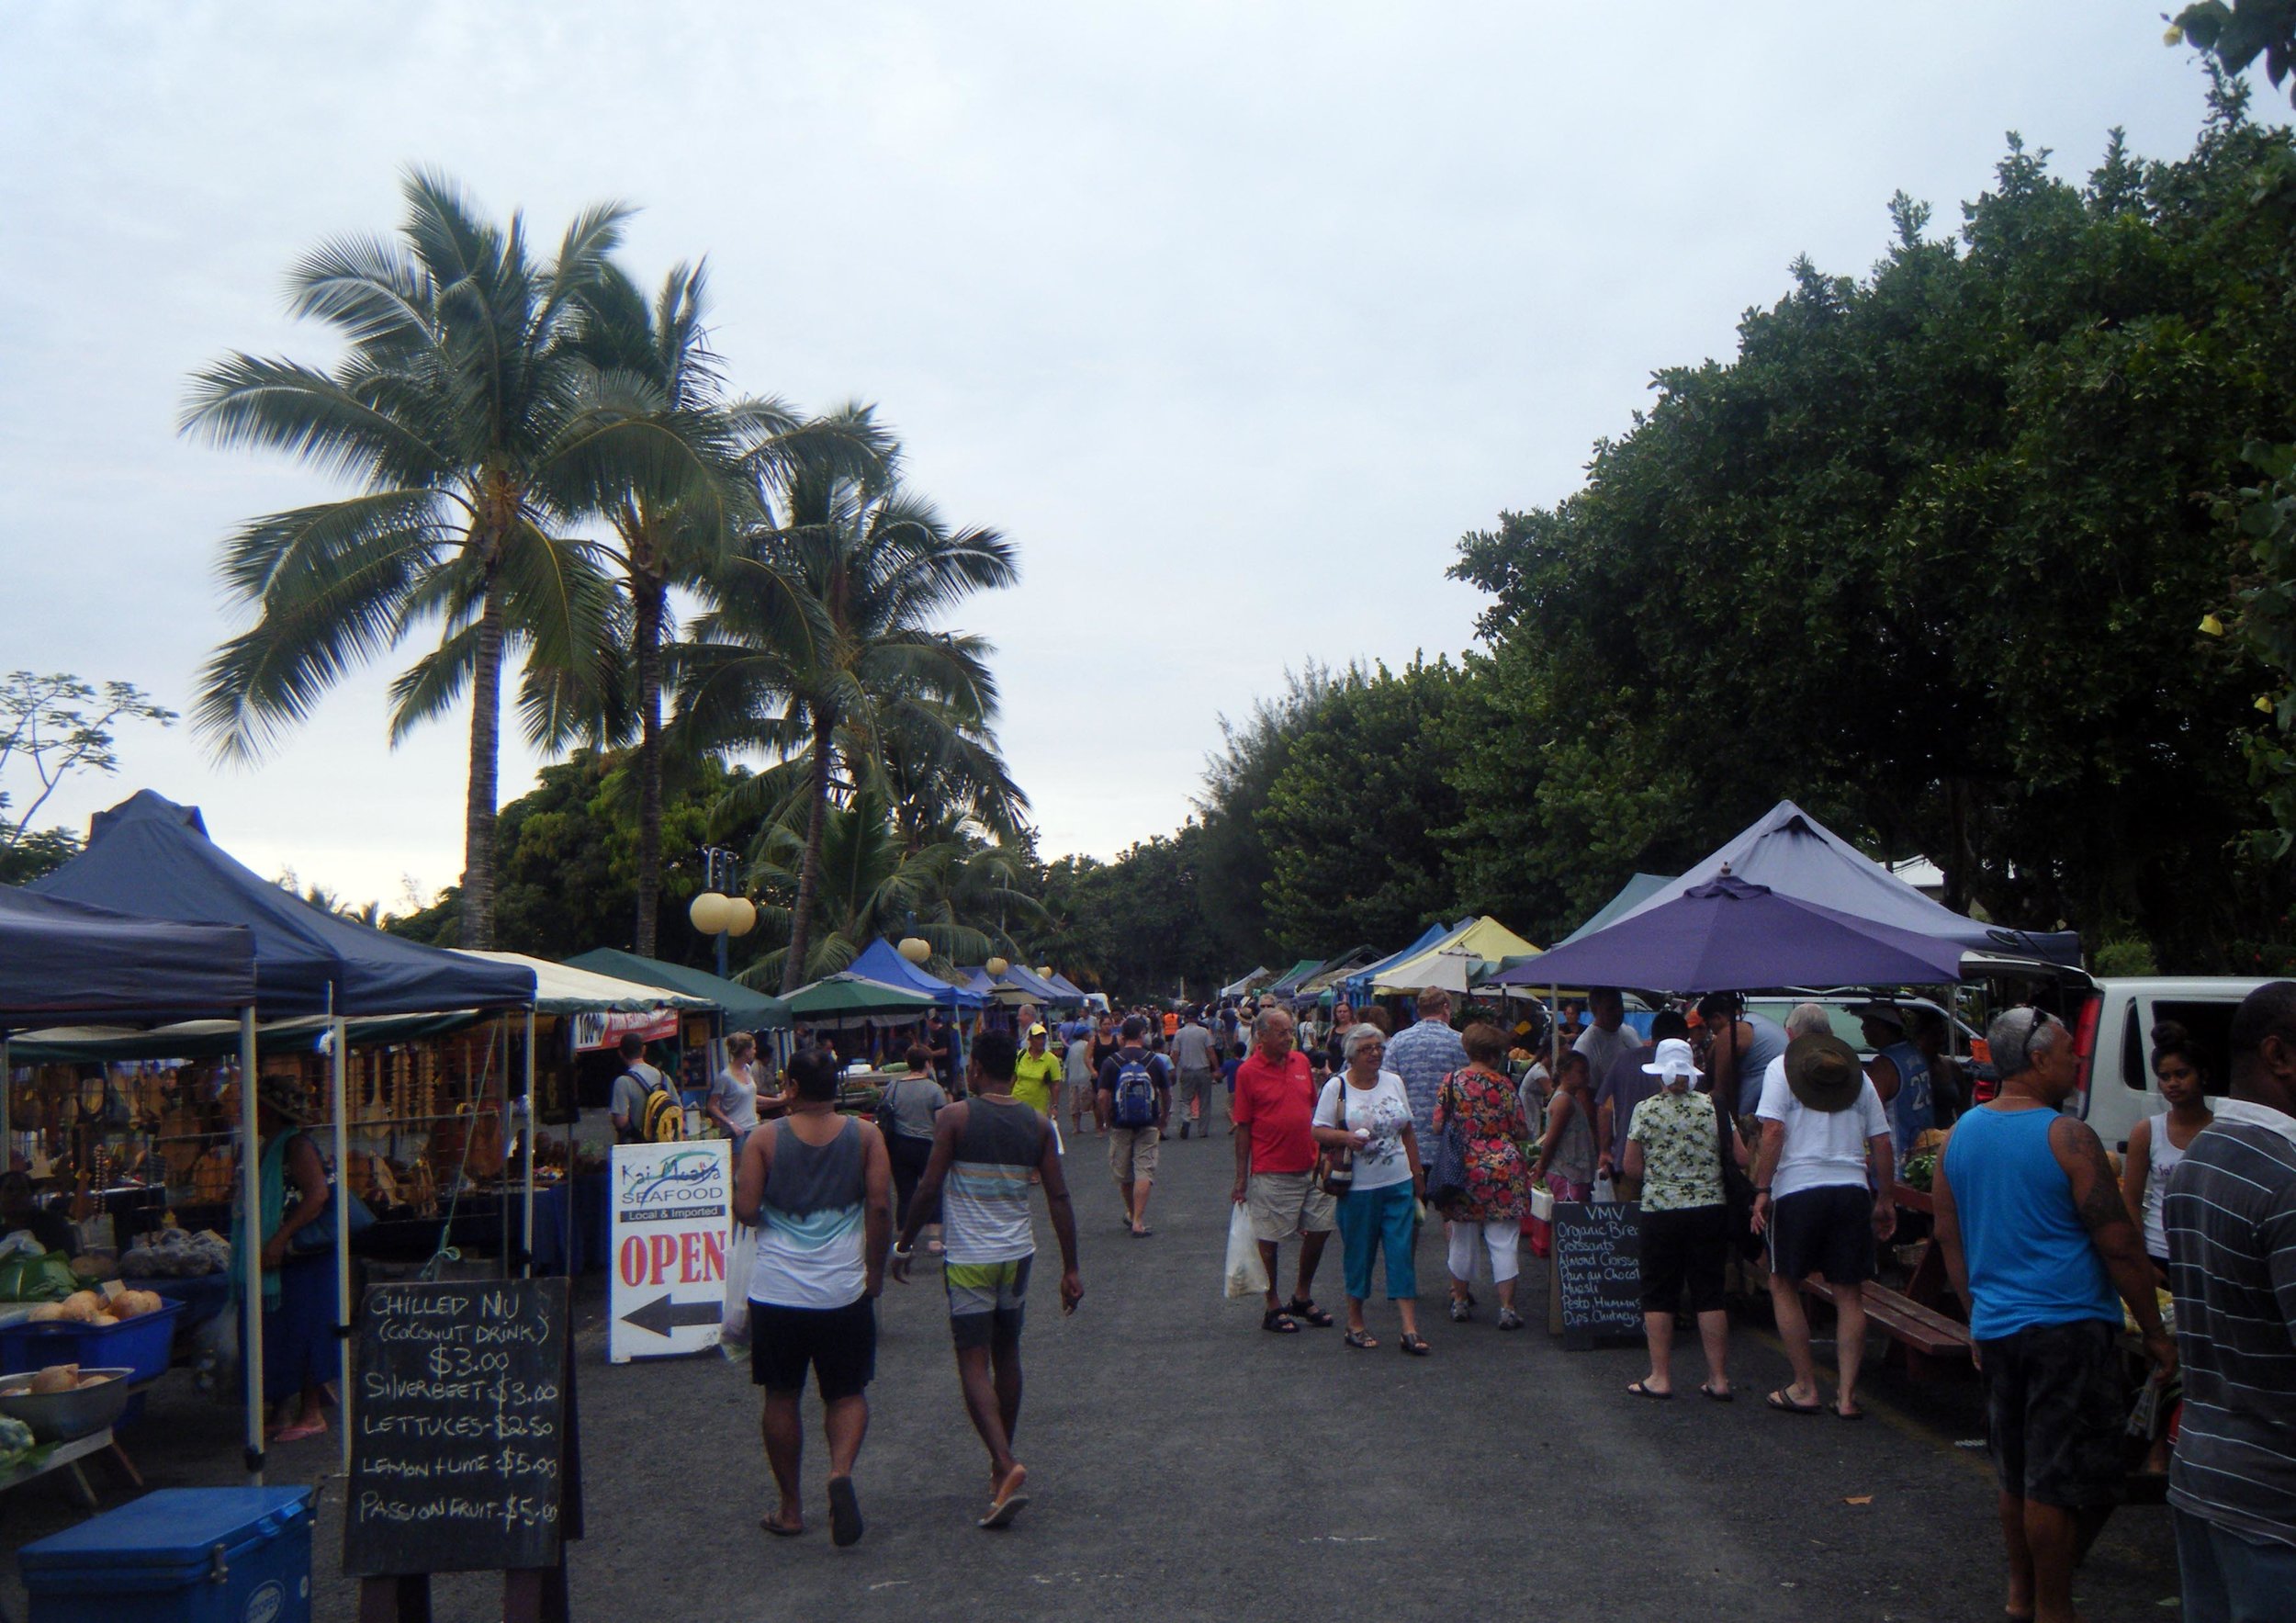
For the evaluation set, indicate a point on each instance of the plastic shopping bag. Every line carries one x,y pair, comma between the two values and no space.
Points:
1247,1275
1605,1193
733,1329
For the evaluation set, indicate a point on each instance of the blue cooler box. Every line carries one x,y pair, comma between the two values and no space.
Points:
181,1555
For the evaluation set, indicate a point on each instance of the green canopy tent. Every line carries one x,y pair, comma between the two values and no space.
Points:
745,1007
845,999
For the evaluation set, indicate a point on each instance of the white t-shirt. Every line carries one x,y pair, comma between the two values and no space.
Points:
1822,1148
735,1091
1383,1108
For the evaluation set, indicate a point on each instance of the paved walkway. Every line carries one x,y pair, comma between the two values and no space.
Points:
1186,1465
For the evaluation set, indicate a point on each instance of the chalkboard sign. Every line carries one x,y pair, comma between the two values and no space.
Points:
1598,1271
463,1454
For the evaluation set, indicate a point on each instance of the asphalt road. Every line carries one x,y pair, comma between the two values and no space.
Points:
1187,1465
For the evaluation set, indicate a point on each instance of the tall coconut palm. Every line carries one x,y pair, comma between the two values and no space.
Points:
877,569
476,431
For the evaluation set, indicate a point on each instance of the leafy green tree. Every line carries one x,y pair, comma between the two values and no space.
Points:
1352,821
1926,556
2234,33
2264,629
50,727
1233,861
1135,926
815,680
476,431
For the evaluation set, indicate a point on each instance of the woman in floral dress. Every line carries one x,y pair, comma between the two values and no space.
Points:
1498,1174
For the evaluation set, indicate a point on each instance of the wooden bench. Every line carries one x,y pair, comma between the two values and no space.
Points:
1930,1339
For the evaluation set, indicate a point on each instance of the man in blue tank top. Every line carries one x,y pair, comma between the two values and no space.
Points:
1900,1074
2039,1244
984,1147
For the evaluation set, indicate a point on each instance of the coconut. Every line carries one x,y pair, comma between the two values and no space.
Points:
101,1319
83,1306
47,1313
88,1380
57,1378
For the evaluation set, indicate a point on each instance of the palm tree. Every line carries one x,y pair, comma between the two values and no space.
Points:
818,679
476,431
955,894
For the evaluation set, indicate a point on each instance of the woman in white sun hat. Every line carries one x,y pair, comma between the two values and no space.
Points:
1674,1148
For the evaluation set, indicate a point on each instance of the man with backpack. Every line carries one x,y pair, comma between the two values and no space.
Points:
1136,1102
644,1107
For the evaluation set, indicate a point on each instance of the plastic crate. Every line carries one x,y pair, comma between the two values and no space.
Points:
181,1555
139,1343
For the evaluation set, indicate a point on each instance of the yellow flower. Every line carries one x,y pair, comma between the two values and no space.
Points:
2211,626
2174,36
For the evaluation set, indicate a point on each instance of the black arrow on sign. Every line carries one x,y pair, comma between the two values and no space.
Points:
662,1315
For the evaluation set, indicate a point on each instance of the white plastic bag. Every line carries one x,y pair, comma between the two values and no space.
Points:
733,1327
1605,1193
1542,1202
1247,1275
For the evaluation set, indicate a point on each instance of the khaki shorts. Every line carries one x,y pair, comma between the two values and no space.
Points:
1281,1204
1133,1154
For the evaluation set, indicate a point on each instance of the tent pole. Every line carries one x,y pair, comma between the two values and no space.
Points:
1554,1035
526,1131
7,1141
250,1230
338,1069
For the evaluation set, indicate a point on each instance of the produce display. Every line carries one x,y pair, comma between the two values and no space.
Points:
18,1448
172,1253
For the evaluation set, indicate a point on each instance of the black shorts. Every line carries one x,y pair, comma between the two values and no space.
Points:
839,1343
1685,1248
2056,1408
1827,1231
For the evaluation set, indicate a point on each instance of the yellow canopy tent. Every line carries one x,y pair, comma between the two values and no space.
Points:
1450,962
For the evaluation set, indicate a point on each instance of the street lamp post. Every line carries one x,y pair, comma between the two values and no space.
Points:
721,909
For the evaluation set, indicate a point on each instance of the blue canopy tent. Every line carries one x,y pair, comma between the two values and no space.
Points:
68,961
1069,990
1358,985
150,857
882,961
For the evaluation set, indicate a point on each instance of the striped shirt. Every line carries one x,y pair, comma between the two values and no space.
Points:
984,1201
2231,1219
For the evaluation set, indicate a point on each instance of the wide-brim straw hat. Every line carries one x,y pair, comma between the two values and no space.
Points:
1823,1072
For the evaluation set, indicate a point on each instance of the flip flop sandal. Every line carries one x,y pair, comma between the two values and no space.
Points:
1644,1390
777,1529
1850,1414
1719,1397
1142,1234
1279,1323
1362,1340
845,1517
1415,1345
1307,1312
1786,1406
1002,1511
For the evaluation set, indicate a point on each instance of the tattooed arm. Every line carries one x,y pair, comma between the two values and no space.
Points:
2097,1197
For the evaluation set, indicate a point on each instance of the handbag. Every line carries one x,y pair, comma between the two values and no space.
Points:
1339,1165
1447,1172
1738,1189
320,1236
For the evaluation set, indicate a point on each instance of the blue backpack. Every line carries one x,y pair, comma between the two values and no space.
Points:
1135,1100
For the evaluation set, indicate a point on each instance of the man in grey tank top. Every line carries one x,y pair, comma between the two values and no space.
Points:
984,1147
818,1186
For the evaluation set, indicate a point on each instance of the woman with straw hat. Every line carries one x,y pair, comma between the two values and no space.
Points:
1674,1147
298,1282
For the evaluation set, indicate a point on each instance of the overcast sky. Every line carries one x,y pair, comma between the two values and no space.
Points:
1234,317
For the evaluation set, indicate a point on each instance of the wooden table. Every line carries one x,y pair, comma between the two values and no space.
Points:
64,1456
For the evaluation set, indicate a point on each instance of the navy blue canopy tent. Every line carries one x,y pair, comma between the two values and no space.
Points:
882,961
65,961
152,858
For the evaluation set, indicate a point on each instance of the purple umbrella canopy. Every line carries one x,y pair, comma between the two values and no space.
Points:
1729,935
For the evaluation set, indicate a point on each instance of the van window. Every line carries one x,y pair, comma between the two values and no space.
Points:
2211,1027
2136,1058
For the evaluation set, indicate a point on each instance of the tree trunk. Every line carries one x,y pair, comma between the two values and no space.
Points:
809,871
649,595
486,743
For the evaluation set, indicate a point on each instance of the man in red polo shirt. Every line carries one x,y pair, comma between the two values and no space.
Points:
1274,1165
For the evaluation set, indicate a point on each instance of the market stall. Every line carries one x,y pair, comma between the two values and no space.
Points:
152,857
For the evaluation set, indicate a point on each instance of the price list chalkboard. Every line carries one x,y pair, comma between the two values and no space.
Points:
1598,1271
463,1454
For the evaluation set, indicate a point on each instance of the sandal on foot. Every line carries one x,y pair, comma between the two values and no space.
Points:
1307,1312
1643,1389
1460,1312
1279,1322
1011,1500
1719,1397
780,1530
1415,1345
1362,1339
1850,1414
1785,1404
845,1517
1509,1319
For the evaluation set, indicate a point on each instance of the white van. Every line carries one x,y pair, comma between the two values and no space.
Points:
2112,1022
